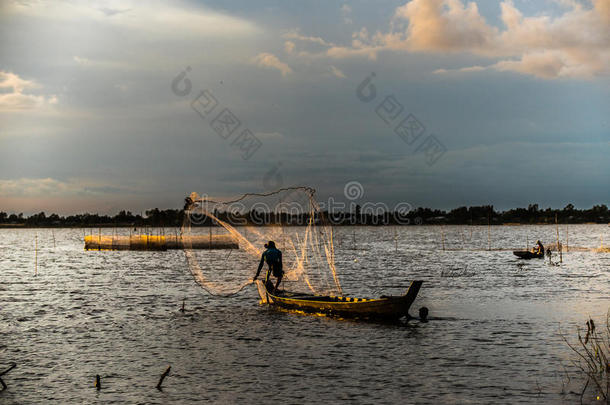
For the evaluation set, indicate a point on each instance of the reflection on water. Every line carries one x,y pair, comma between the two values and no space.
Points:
493,335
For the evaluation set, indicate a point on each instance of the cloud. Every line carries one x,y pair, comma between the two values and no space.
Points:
546,65
441,26
362,46
269,60
574,44
102,64
343,52
32,194
18,101
603,9
121,87
338,73
82,61
15,83
154,19
12,97
112,11
296,35
42,187
464,69
346,13
289,46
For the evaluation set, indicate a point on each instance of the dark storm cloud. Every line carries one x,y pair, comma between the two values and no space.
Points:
107,122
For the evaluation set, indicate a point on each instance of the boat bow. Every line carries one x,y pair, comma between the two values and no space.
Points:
383,307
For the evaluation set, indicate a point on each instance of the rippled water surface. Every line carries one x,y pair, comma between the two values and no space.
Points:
493,337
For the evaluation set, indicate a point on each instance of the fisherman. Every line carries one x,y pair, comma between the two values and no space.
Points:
273,257
539,248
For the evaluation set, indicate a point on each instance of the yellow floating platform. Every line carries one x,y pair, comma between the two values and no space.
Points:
149,242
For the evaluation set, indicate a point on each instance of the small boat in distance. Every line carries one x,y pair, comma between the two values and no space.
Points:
385,307
526,254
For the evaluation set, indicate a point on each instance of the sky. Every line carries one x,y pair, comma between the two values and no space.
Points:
116,105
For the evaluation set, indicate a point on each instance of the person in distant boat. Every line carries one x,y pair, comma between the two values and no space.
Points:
273,257
539,248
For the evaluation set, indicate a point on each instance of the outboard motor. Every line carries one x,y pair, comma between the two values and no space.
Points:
423,314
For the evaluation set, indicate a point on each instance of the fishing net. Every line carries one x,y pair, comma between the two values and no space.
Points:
290,217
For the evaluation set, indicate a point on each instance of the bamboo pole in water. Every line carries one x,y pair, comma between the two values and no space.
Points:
53,233
4,387
443,238
489,231
165,374
567,239
36,255
395,240
558,246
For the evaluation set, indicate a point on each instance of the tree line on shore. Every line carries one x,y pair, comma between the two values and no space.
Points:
477,215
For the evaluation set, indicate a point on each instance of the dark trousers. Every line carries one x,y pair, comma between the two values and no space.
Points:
278,273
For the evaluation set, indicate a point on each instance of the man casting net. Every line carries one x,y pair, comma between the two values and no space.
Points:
289,217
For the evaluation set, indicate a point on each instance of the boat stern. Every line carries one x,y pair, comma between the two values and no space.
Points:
413,290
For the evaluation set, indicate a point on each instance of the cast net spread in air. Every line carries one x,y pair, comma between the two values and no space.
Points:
290,217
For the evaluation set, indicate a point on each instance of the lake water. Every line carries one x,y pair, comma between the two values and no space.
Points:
493,334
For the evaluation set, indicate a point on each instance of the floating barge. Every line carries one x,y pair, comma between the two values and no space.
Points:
385,307
150,242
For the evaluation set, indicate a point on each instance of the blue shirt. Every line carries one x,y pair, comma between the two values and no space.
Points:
273,257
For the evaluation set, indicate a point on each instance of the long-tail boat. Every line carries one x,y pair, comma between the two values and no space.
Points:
526,254
385,307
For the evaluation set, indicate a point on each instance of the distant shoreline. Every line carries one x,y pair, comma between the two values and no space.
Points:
172,218
139,227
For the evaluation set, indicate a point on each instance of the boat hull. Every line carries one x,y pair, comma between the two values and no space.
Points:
525,254
391,307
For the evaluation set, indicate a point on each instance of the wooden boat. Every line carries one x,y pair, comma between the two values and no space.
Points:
385,307
526,254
